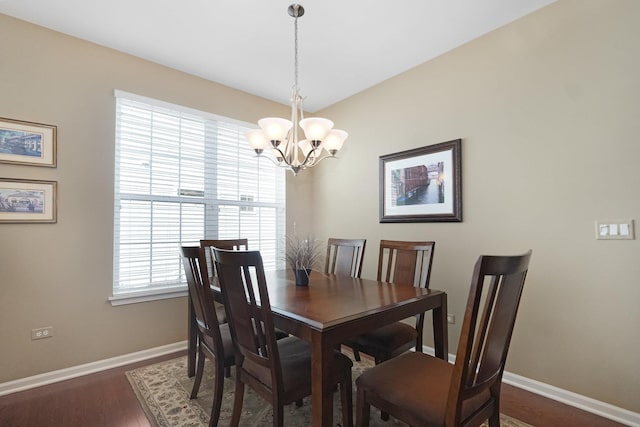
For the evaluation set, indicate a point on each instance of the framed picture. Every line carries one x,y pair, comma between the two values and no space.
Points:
26,143
422,185
26,200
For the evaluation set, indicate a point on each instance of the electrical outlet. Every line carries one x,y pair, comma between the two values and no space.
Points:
40,333
451,318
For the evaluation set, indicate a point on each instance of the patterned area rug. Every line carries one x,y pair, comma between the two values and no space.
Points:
163,391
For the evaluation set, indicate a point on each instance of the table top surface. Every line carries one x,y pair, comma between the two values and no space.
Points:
330,300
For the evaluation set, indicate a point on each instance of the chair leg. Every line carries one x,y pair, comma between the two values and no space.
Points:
227,372
381,357
362,409
237,401
356,355
199,372
218,386
494,419
278,415
346,395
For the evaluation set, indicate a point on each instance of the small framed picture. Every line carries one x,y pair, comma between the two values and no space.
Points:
27,143
26,200
422,185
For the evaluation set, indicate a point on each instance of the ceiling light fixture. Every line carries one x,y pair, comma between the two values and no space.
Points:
279,137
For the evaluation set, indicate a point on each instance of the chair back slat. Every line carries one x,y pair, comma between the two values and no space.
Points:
240,275
481,334
496,287
405,262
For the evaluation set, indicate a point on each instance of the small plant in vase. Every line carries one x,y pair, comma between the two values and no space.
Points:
302,255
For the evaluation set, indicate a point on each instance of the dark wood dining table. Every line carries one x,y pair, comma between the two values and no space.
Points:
333,308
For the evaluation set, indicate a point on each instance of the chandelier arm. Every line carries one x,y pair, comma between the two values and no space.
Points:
274,161
319,159
284,158
306,163
314,160
283,164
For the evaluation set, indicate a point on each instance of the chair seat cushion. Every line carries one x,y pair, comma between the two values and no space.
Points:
281,334
295,359
387,338
419,384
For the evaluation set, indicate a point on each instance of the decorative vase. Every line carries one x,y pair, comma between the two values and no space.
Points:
302,276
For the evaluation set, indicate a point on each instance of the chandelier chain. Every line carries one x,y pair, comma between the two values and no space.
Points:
295,55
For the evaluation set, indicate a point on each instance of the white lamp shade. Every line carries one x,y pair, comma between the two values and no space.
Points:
275,128
256,139
334,140
316,128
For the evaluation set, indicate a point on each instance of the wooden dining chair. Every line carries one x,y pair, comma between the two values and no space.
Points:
344,256
214,339
207,244
419,389
218,306
399,262
278,370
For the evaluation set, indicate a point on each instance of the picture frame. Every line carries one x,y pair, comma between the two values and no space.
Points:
27,201
27,143
422,184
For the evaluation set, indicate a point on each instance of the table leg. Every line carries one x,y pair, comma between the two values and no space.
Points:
192,339
440,329
321,387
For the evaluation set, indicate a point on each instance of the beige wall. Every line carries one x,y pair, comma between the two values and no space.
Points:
60,274
548,110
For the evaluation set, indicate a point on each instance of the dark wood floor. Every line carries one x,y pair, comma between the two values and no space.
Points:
106,399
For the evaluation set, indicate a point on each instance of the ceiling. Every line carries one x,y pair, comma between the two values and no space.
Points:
344,46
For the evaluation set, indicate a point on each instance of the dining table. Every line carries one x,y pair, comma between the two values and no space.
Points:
332,308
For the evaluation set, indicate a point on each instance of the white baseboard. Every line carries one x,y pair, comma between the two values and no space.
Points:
605,410
579,401
584,403
88,368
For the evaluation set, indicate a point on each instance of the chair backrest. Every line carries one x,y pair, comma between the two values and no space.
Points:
344,256
230,244
406,263
195,268
240,273
496,285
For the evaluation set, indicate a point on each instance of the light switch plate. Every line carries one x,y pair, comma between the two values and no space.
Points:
615,229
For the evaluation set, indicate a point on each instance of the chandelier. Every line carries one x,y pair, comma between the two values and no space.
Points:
278,138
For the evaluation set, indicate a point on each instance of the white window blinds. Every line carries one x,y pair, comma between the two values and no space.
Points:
180,176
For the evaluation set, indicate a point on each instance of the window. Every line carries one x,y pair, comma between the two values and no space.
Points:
182,175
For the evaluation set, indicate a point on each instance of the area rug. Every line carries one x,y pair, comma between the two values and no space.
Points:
163,390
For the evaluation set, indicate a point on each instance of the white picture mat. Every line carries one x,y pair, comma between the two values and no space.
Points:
446,157
48,212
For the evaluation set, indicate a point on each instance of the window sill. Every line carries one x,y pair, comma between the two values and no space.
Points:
146,296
